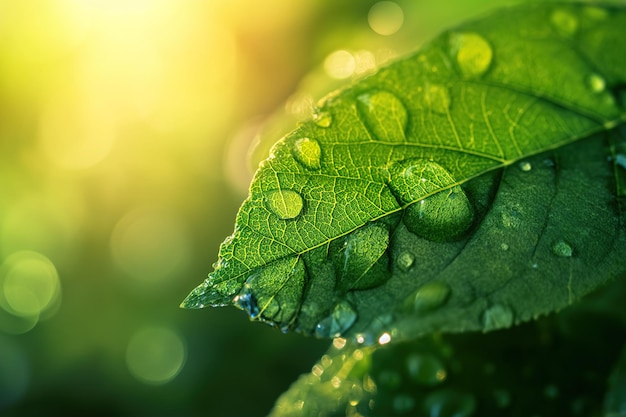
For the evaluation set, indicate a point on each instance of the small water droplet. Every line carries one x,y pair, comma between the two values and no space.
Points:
426,369
384,115
428,297
363,261
322,119
562,249
565,23
511,217
472,52
449,402
504,246
435,215
339,321
596,83
246,300
308,152
405,261
437,97
403,403
384,339
497,316
525,166
286,204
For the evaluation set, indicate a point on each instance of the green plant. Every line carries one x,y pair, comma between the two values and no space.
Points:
476,185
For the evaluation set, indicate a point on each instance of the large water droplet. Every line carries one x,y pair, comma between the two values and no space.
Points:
362,263
472,52
525,166
437,97
426,369
339,321
565,23
428,297
562,249
286,204
497,316
596,83
308,152
384,115
435,215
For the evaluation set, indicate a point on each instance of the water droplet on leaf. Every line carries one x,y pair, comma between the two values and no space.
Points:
504,246
562,249
307,152
437,97
437,215
405,261
497,316
596,83
339,321
428,297
472,52
426,369
323,119
384,115
525,166
274,293
363,262
565,23
286,204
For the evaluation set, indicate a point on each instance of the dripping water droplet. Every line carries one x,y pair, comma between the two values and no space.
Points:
307,152
286,204
384,115
472,52
497,316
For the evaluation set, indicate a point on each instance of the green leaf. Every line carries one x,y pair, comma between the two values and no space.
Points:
476,184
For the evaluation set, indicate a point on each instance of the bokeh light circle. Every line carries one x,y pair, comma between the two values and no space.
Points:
155,355
385,18
340,64
29,284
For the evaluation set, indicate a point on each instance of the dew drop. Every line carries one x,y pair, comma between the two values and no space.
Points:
384,115
363,261
511,217
246,301
307,152
525,166
472,52
428,297
323,119
497,316
405,261
565,23
596,83
562,249
435,215
437,97
286,204
504,246
426,369
339,321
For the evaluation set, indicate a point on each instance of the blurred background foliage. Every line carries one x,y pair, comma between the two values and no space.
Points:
129,131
